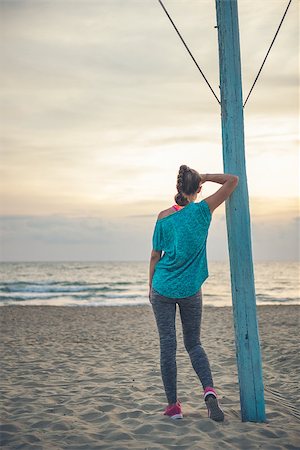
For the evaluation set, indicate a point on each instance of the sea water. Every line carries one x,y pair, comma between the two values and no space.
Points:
126,283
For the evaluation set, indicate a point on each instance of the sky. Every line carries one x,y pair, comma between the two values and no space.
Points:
101,104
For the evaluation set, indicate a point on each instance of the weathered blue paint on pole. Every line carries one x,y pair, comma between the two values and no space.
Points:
238,217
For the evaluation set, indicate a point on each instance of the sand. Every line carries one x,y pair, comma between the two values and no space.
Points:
89,378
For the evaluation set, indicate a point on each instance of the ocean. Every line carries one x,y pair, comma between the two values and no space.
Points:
126,283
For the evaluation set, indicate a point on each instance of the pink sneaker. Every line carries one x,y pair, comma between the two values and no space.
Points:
209,390
213,408
174,411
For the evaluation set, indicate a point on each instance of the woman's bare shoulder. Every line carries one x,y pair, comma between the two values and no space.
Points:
166,212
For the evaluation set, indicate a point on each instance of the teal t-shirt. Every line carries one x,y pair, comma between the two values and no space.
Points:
182,236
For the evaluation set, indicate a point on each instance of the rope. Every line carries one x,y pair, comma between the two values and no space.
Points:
290,1
257,76
162,5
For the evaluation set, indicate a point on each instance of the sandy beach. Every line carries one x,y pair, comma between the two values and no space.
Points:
89,378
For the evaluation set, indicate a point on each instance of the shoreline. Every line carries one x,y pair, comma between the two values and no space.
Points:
137,305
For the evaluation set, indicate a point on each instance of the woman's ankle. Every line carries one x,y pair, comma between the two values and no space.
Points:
209,390
172,404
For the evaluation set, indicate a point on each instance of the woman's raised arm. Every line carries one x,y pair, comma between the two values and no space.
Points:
229,183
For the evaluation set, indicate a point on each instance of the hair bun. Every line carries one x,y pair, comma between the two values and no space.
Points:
180,199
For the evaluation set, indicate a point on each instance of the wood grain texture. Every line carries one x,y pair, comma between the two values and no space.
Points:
238,216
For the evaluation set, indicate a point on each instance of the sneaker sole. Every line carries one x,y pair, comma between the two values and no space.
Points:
214,410
177,416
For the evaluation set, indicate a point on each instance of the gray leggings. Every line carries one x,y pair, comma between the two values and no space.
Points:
164,309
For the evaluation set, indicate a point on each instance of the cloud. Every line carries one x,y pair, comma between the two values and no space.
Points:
103,103
271,240
58,237
54,229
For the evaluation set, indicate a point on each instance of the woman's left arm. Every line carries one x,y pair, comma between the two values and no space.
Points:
155,257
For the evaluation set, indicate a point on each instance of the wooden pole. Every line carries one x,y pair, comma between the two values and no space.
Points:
238,217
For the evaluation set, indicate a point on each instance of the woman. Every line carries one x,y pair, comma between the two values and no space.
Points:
176,278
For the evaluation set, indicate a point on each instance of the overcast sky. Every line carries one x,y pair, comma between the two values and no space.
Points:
101,104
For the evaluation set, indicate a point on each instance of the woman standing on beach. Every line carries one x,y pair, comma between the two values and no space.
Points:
176,278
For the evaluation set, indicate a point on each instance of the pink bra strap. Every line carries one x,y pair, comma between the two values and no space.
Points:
177,207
